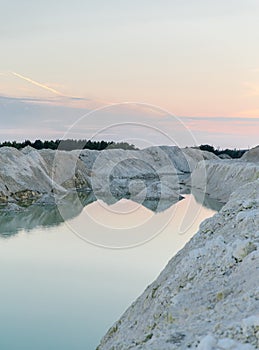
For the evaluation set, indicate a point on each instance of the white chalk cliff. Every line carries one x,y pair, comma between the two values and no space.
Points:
28,174
207,297
156,172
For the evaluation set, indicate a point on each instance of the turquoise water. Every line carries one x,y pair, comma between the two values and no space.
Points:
58,291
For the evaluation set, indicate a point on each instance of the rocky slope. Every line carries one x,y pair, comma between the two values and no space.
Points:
224,176
26,175
150,174
207,298
252,155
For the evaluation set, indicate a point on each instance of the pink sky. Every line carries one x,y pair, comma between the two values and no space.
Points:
193,59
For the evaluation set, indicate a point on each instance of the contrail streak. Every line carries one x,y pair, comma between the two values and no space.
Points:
38,84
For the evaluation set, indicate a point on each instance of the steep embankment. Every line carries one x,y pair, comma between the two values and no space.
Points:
150,174
207,297
252,155
223,177
26,175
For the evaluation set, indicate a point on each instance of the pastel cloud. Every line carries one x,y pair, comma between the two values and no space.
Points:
27,118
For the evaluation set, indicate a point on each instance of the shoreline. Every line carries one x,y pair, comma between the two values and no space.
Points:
207,297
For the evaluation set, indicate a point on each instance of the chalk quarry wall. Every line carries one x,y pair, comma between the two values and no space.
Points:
223,177
156,171
207,297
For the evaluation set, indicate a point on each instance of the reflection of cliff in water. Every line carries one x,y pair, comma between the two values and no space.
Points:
43,214
48,213
155,205
206,200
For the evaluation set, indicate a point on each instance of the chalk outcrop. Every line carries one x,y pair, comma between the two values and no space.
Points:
252,155
25,176
147,174
150,174
207,297
223,177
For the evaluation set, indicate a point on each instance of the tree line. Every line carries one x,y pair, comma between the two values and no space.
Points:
71,144
233,153
68,145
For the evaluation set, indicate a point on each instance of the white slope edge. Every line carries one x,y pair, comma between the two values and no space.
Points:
223,177
207,297
31,170
29,174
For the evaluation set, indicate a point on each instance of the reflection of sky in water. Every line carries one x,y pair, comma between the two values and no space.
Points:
59,292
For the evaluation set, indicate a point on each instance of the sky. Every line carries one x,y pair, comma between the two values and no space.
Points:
182,67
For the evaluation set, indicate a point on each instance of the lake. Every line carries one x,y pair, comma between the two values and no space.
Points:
63,284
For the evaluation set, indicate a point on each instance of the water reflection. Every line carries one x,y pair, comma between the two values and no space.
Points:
60,293
204,199
49,214
42,215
